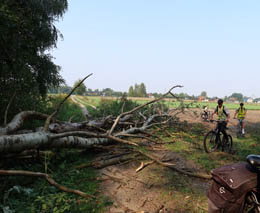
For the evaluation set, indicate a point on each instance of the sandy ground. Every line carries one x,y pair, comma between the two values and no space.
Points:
149,191
252,119
142,192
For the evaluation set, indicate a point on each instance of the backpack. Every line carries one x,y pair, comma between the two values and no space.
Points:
230,185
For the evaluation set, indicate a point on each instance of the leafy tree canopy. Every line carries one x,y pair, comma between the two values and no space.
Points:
82,89
238,96
27,32
139,90
204,93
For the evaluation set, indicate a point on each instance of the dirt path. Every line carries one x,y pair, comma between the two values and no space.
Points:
83,108
156,189
252,119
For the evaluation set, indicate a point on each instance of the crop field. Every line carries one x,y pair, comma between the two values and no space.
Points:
95,100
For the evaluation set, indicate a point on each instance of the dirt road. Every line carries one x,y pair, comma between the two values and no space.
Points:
156,189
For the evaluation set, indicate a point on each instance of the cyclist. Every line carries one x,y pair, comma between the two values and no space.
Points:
206,110
241,115
223,118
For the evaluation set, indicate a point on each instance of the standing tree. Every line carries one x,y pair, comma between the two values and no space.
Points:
27,32
82,89
238,96
131,91
139,90
143,90
204,94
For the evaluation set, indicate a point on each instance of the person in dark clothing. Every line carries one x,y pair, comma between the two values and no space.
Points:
223,118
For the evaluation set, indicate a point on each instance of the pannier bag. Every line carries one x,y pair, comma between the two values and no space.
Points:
230,186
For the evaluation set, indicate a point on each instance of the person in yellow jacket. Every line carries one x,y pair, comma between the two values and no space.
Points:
240,114
223,116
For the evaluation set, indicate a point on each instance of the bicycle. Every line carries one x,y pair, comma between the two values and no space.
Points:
213,141
236,187
205,115
240,133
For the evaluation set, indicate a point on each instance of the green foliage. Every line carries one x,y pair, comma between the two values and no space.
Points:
27,32
81,90
204,93
238,96
112,107
63,89
188,141
131,91
36,195
68,110
139,90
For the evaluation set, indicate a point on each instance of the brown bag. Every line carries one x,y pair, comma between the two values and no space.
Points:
230,186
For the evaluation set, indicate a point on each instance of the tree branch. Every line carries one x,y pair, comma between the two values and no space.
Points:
139,107
18,120
172,166
47,123
7,108
45,176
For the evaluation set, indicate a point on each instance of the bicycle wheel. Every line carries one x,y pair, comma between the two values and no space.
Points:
203,116
239,133
251,203
228,144
210,142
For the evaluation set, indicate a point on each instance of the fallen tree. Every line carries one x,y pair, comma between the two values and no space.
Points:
84,135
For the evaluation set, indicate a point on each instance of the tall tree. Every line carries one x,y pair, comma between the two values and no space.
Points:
131,91
204,93
136,90
82,89
27,32
143,90
238,96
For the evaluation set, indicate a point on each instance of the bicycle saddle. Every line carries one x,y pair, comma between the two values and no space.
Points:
254,161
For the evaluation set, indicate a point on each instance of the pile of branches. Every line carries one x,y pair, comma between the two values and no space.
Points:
84,135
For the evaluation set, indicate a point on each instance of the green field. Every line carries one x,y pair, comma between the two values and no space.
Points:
95,100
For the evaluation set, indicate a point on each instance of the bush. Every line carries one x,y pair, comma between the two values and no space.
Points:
114,108
68,110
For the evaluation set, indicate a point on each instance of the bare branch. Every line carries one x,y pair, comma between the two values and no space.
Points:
143,165
139,107
172,166
47,177
19,119
47,123
7,108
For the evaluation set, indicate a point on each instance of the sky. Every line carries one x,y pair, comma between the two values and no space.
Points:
204,45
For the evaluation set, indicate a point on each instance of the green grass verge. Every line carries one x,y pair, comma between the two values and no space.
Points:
27,194
170,103
190,144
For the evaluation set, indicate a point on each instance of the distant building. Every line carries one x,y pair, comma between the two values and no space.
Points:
250,100
150,95
232,100
201,98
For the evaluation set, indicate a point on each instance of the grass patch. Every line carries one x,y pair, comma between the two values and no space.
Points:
183,192
27,194
189,143
95,100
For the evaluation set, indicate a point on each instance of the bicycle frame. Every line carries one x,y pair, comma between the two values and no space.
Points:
252,201
212,143
240,134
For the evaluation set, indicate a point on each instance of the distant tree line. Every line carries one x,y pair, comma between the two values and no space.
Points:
83,90
139,90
